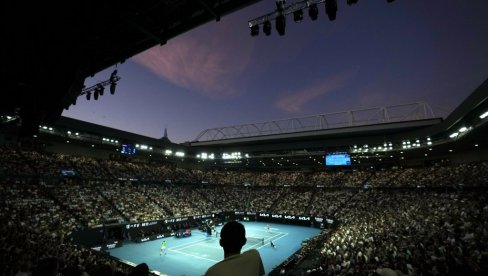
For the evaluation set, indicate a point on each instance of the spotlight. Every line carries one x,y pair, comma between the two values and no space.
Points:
281,24
389,1
298,15
88,96
113,82
100,89
280,5
351,2
254,30
267,28
95,95
331,9
313,11
112,87
113,76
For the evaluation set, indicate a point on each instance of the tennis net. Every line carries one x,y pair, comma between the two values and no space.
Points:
255,240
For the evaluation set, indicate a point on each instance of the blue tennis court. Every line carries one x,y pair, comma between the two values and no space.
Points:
194,255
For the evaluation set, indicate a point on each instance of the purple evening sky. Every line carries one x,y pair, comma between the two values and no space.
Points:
374,54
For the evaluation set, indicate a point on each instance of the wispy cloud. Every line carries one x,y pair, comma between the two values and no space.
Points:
201,62
294,102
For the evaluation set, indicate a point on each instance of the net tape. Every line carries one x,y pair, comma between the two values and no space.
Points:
255,240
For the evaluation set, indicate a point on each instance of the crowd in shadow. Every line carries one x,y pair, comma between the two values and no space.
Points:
413,221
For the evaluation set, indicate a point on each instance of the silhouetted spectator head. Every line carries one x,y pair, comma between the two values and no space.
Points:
47,267
73,271
103,270
232,237
140,270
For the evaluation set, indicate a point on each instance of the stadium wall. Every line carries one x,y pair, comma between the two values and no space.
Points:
470,156
78,150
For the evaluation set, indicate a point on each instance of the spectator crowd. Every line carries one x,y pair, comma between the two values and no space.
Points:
404,223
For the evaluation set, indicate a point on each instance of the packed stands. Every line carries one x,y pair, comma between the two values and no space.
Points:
425,219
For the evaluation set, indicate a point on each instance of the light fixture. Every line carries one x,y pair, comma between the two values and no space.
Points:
280,5
298,15
100,89
113,76
351,2
267,28
484,115
280,24
113,85
331,9
254,30
113,82
313,12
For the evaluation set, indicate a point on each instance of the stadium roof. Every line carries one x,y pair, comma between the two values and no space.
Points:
417,138
467,113
51,47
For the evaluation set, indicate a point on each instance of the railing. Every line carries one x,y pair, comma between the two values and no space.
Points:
359,117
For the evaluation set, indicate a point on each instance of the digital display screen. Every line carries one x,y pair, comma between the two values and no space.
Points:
337,159
128,149
68,173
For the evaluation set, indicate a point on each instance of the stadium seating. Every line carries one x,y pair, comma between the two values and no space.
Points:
428,219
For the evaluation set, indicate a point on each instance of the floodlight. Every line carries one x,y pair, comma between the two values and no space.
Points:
280,5
331,9
313,11
113,76
113,82
298,16
281,24
88,95
112,87
100,89
484,115
254,30
267,28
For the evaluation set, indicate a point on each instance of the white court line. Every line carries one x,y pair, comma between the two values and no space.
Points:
268,232
275,240
274,234
189,244
199,243
188,254
207,245
270,238
271,228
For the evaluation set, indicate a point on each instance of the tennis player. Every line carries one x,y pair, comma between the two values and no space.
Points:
164,246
